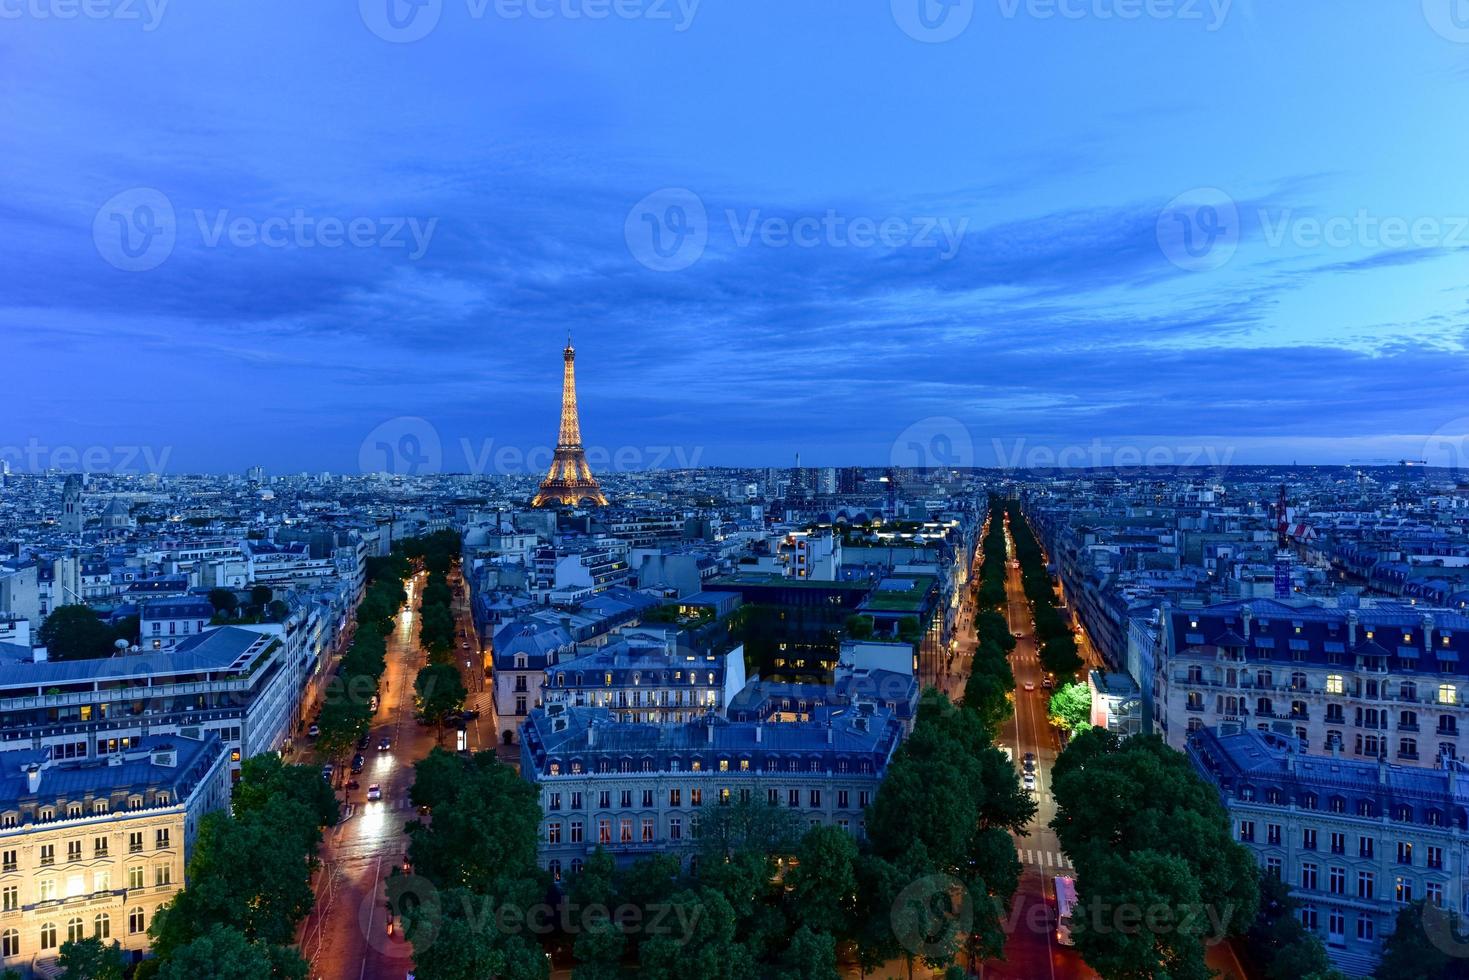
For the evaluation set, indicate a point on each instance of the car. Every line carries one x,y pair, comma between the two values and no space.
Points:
384,743
353,784
362,742
313,731
1028,780
1030,760
326,773
358,762
469,714
1030,685
1048,683
374,792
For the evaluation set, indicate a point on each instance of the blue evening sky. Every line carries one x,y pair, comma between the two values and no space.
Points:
865,231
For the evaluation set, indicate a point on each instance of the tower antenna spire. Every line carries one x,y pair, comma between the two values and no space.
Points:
570,479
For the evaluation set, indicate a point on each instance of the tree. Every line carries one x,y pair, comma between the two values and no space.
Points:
223,953
822,887
1426,944
709,948
75,633
1059,657
810,955
265,777
90,959
344,719
484,834
1146,832
260,595
1283,947
224,601
438,691
1071,707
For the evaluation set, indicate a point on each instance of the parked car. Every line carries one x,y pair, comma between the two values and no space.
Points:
326,773
362,742
353,784
358,762
1048,683
374,792
470,714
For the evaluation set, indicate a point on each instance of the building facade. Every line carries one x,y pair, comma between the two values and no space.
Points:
639,789
95,848
1356,840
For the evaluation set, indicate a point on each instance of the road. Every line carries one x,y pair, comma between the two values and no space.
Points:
1031,950
346,936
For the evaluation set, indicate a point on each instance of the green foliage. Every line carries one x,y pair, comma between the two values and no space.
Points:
1283,947
1071,707
438,690
1151,842
224,601
76,633
248,880
1411,952
91,959
260,595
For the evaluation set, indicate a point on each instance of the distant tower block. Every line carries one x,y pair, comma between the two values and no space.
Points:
71,505
570,481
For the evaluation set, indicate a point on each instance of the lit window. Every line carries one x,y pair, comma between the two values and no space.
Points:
1334,684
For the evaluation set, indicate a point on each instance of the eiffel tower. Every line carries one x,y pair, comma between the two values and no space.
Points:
570,481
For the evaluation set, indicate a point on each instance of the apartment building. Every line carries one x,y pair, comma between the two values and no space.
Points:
1355,839
645,680
95,847
639,789
1369,679
242,684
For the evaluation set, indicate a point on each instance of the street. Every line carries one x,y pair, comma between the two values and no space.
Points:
346,936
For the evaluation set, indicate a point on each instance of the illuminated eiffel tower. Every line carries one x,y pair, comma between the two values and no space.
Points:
570,481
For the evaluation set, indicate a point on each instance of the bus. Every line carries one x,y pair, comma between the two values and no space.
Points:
1065,903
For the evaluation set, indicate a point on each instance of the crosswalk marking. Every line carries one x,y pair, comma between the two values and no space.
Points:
1045,859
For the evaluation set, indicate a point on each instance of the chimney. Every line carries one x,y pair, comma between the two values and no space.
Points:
592,734
33,778
758,729
709,730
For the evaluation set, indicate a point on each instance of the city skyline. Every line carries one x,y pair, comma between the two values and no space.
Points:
1031,235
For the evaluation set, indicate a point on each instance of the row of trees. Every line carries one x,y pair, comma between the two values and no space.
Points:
346,711
1057,644
1158,872
262,605
439,687
249,881
991,680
